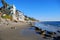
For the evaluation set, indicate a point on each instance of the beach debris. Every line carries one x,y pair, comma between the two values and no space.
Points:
13,27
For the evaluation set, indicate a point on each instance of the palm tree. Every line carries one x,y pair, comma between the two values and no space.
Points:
4,3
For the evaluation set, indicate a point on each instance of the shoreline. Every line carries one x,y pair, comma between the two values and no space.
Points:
46,33
20,32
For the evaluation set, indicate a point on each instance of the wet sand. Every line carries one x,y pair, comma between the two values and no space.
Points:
20,31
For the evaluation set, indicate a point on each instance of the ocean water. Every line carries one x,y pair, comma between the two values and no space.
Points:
53,23
52,26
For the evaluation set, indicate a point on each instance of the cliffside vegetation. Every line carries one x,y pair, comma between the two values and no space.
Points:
6,16
30,18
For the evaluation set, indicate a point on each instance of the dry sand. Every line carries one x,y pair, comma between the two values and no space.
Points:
20,31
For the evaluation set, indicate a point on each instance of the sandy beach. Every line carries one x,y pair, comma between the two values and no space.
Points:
18,31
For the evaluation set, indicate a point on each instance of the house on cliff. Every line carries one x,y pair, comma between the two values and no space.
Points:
11,10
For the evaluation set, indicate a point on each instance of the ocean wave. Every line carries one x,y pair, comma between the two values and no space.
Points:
49,26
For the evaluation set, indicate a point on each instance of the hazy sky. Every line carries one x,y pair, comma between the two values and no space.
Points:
44,10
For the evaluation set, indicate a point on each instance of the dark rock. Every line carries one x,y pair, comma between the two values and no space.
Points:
58,31
36,28
56,38
47,35
51,33
13,28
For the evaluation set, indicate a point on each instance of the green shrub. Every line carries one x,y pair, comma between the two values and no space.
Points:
7,17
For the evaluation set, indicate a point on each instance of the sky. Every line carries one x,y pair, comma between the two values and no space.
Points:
43,10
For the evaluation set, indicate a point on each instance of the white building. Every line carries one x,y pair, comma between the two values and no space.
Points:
12,11
20,16
16,15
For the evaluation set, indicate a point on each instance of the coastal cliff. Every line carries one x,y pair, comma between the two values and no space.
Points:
10,12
